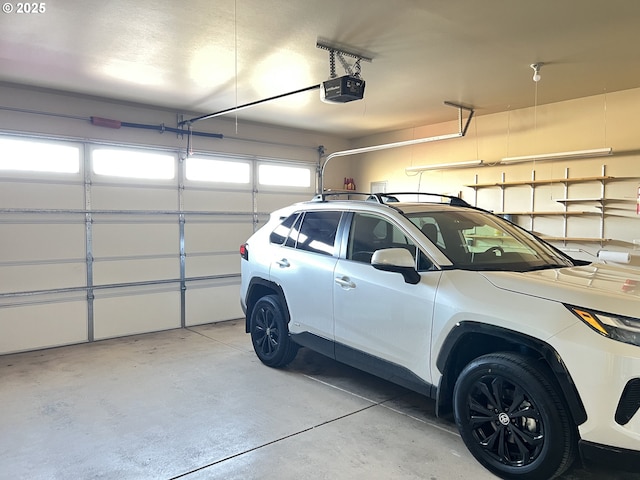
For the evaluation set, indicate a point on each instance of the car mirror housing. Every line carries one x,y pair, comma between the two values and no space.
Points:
397,260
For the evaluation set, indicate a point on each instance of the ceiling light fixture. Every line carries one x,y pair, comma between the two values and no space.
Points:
445,166
596,152
536,71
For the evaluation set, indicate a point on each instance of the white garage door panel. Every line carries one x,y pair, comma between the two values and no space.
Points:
207,303
118,240
33,242
216,237
133,198
30,327
214,264
41,196
135,270
270,201
127,312
83,262
28,278
221,201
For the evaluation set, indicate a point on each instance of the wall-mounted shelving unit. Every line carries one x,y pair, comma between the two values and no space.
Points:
602,204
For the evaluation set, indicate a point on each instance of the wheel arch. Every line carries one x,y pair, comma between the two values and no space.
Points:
258,288
469,340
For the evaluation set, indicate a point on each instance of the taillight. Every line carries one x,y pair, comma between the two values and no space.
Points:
244,251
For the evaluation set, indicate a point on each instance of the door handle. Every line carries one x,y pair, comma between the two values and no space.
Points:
345,282
284,263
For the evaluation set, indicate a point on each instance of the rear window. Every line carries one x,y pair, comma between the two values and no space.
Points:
310,231
281,232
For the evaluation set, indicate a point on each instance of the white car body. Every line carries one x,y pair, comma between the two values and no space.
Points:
377,313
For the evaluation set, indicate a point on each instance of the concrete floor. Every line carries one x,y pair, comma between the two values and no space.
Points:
197,404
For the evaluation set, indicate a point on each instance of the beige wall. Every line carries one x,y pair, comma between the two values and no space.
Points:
600,121
608,120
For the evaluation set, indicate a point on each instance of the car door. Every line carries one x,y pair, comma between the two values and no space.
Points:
303,266
377,312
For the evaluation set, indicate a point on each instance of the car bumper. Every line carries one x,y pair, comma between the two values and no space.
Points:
602,369
603,455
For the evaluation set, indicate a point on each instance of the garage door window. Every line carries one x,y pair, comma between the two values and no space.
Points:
35,156
223,171
284,176
133,164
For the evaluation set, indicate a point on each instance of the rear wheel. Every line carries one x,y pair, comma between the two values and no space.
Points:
269,333
512,419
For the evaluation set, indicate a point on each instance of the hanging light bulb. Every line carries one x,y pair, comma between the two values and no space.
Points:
536,71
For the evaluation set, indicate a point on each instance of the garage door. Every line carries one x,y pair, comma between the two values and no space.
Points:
101,241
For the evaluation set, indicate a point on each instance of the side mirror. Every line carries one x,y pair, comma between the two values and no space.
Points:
397,260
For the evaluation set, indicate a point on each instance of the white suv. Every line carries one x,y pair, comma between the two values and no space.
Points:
537,355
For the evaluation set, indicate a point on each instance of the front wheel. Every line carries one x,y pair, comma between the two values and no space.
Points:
512,419
269,333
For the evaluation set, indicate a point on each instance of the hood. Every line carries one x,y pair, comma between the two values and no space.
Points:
597,286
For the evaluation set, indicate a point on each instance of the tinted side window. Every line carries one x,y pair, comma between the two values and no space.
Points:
318,232
370,233
281,232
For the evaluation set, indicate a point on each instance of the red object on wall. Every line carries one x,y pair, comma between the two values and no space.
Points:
106,122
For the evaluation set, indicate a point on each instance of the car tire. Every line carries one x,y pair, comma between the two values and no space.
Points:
512,419
269,333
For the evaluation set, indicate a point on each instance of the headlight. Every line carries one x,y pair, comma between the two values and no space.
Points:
623,329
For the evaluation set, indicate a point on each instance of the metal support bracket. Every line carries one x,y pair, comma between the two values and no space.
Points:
344,50
340,51
460,108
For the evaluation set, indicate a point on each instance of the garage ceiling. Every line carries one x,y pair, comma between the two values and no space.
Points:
204,56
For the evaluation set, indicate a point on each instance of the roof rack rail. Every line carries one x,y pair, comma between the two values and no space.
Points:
385,198
323,197
393,198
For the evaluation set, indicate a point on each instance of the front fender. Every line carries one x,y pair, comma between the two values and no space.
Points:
469,340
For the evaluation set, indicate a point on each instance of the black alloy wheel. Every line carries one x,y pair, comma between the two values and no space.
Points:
512,419
269,333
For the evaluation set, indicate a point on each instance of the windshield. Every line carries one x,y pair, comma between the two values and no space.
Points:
474,240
